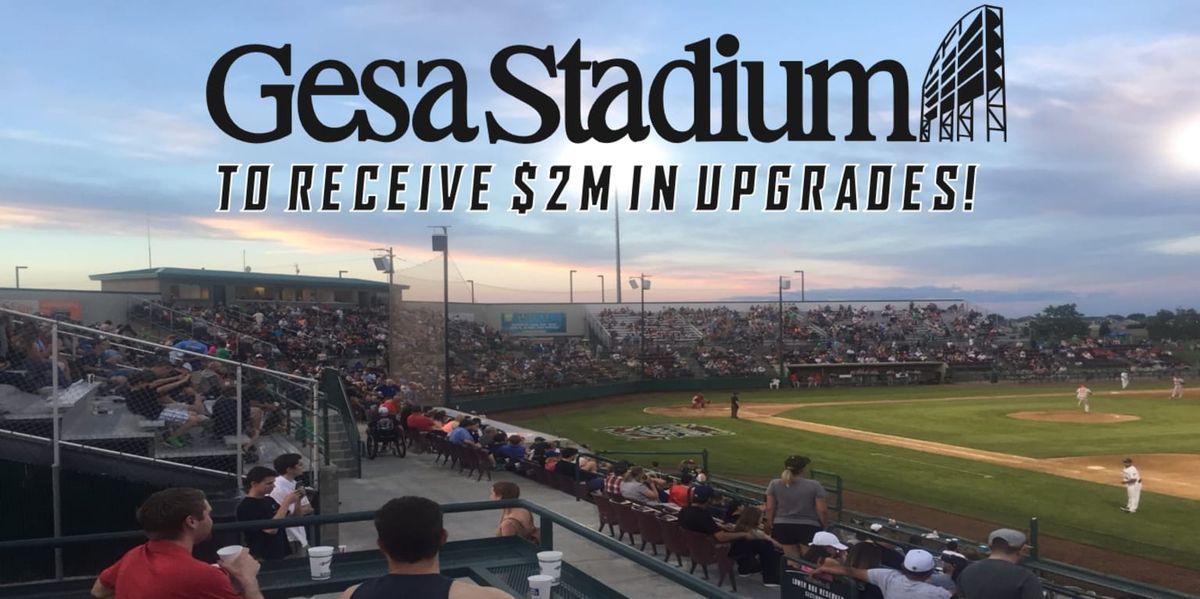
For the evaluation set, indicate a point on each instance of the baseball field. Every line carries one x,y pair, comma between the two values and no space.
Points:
992,454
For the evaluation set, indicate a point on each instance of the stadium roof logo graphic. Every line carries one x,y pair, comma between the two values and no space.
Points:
968,66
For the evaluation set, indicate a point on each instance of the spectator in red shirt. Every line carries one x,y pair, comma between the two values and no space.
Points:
680,492
418,421
175,520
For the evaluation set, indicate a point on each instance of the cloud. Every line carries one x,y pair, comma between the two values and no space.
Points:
1180,246
157,135
38,137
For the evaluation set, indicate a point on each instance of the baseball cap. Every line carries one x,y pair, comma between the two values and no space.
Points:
383,411
1014,538
876,527
918,561
796,462
702,493
828,539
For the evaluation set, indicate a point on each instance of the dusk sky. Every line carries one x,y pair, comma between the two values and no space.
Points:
104,130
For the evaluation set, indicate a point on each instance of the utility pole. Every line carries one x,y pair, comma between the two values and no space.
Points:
572,288
602,288
617,221
17,271
472,290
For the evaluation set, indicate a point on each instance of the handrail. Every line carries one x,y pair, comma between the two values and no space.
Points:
341,404
238,334
548,518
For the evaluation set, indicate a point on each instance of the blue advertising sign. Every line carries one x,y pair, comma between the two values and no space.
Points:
533,322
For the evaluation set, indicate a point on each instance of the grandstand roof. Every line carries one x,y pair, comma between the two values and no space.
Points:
235,275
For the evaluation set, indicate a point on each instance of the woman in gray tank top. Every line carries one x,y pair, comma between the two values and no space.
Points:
795,507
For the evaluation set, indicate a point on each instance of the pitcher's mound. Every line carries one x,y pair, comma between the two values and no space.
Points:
1073,416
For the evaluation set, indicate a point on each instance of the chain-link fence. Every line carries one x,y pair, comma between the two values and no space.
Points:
162,414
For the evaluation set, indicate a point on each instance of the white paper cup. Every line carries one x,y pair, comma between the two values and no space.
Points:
551,563
320,560
540,586
228,553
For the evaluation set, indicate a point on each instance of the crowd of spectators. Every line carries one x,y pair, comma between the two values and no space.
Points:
681,342
746,343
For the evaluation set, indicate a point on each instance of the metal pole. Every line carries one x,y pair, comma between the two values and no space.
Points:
56,469
572,288
17,270
472,290
802,286
446,317
602,288
642,356
391,285
1033,538
314,462
617,220
781,367
241,465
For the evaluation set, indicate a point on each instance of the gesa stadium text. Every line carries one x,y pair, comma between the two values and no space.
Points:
448,187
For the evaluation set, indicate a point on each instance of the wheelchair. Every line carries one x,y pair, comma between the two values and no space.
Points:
379,441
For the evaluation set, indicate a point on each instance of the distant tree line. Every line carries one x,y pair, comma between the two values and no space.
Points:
1056,323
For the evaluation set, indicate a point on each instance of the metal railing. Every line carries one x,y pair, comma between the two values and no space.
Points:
547,521
186,323
195,410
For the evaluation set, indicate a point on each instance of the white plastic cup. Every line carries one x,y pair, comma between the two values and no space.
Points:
551,563
320,561
540,586
228,553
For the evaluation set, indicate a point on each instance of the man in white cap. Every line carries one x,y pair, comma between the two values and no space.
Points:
1000,576
911,583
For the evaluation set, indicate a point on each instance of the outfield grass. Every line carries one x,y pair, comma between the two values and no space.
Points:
1077,510
1166,426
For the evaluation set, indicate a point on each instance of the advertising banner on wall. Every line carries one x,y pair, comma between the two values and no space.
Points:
533,323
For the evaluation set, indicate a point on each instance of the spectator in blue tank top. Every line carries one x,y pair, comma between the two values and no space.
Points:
410,536
461,435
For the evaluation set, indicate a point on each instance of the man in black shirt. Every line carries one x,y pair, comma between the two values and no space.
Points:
267,543
734,405
744,546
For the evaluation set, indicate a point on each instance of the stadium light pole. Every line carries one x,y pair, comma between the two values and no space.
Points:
601,289
472,290
342,272
572,288
782,281
441,243
17,271
617,232
641,283
801,284
390,269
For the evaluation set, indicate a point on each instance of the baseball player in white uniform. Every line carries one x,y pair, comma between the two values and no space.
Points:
1124,380
1081,398
1133,485
1177,387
